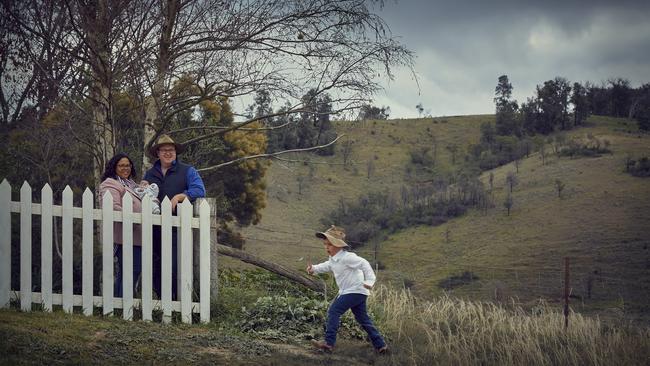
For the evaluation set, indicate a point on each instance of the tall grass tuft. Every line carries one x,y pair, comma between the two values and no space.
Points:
458,332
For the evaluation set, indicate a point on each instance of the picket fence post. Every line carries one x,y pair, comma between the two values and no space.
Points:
166,260
87,264
67,261
26,247
185,260
127,257
46,246
107,253
147,266
5,244
204,261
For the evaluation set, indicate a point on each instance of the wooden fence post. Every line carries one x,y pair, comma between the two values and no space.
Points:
25,247
566,292
5,244
214,281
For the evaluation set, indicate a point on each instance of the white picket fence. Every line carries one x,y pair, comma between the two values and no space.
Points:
88,214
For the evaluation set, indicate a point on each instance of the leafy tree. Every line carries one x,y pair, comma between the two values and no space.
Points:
599,99
419,108
368,111
620,96
507,122
580,103
642,110
487,133
553,99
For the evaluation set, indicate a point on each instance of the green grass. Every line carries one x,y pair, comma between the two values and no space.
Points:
443,331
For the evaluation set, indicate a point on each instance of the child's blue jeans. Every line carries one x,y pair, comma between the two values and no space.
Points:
357,303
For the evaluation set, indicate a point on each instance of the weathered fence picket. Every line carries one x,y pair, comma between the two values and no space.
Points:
5,244
184,222
107,253
46,247
147,262
166,262
25,247
127,257
66,226
87,252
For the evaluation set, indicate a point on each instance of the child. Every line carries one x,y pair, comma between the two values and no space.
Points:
354,277
150,190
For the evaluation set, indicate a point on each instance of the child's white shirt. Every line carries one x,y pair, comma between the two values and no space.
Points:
350,271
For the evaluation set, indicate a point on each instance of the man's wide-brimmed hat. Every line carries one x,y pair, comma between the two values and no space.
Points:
335,235
165,140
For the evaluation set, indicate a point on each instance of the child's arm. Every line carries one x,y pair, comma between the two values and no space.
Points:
356,262
319,268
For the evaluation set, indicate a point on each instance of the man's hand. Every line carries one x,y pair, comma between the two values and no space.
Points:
310,269
367,286
177,199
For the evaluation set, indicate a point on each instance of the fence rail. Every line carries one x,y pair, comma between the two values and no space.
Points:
88,214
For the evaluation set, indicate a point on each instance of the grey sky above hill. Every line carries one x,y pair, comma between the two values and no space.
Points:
463,46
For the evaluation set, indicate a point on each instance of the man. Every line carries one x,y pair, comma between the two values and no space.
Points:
178,182
354,277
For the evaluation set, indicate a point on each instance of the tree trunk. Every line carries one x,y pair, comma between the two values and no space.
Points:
154,102
97,26
295,276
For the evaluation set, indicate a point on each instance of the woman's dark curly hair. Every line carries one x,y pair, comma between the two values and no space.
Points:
111,167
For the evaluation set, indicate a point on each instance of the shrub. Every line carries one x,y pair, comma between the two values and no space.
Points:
454,281
591,147
638,168
284,318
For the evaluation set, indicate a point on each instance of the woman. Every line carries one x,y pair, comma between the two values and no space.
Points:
118,181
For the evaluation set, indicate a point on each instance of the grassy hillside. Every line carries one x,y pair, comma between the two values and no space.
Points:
601,222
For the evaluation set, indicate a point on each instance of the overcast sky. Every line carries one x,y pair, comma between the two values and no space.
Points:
463,46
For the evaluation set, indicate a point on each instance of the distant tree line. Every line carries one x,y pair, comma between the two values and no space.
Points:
560,105
309,128
556,106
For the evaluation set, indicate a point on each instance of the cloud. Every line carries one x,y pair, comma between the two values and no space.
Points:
462,48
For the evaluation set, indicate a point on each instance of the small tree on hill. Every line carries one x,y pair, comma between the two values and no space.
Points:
511,180
370,168
508,203
453,149
347,149
491,181
559,187
580,103
642,109
507,122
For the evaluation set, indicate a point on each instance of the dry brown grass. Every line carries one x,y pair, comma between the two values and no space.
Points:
448,331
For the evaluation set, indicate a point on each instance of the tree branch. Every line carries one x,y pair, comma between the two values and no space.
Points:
266,156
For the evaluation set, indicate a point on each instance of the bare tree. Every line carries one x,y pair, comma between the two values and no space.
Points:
517,162
511,180
491,181
370,168
347,149
508,203
542,153
220,49
559,187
